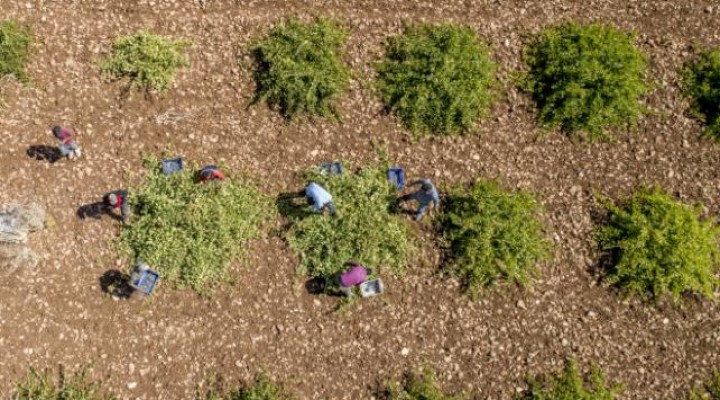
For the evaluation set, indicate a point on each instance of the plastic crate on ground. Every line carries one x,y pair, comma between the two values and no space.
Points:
143,278
172,165
372,288
332,168
396,176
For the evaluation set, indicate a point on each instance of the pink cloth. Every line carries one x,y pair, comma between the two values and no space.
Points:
65,136
357,275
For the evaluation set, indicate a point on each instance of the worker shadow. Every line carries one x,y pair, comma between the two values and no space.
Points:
96,211
292,205
43,152
116,283
315,285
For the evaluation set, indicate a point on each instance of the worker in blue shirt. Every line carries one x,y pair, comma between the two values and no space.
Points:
319,198
425,196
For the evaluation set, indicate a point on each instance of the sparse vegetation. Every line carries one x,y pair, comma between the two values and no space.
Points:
659,246
191,231
41,386
709,390
586,79
702,83
420,386
148,60
570,385
300,67
364,229
262,388
15,41
493,235
437,78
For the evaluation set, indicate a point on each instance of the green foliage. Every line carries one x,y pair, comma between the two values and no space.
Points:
421,386
191,231
586,78
437,79
300,67
364,229
701,81
710,390
149,60
570,385
493,234
40,386
660,246
15,43
263,388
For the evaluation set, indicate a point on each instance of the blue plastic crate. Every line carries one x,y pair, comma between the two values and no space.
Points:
332,168
144,279
396,176
172,165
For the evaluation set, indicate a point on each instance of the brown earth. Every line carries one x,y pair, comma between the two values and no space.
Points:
160,348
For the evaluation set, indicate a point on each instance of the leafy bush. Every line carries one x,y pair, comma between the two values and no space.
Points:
263,388
364,229
570,385
702,83
300,67
710,390
15,43
660,246
149,60
586,78
493,234
421,386
191,231
40,386
437,79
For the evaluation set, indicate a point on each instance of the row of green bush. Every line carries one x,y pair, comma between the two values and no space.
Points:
568,384
654,245
584,79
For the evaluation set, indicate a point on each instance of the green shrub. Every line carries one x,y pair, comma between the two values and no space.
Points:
586,78
570,385
365,228
493,234
701,81
420,386
660,246
40,386
437,79
263,388
148,60
191,231
300,67
15,43
710,390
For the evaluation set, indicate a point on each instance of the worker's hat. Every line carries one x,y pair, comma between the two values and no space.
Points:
112,199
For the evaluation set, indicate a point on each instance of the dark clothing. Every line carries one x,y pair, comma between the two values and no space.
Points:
122,202
426,196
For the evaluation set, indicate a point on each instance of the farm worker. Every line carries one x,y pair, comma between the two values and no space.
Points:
319,198
211,173
118,199
425,196
355,276
68,146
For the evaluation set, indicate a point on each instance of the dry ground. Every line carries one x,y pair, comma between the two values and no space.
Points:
162,347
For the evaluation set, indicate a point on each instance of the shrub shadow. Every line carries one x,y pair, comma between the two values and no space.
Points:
96,211
43,152
116,283
605,259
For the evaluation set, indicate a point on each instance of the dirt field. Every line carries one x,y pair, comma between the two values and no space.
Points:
162,347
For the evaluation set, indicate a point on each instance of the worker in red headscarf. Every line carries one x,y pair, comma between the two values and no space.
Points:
211,173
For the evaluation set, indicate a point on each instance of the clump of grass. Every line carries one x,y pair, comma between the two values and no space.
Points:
586,78
365,228
41,386
262,388
148,60
300,67
701,81
659,246
493,235
437,78
420,386
570,385
15,41
189,231
709,390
